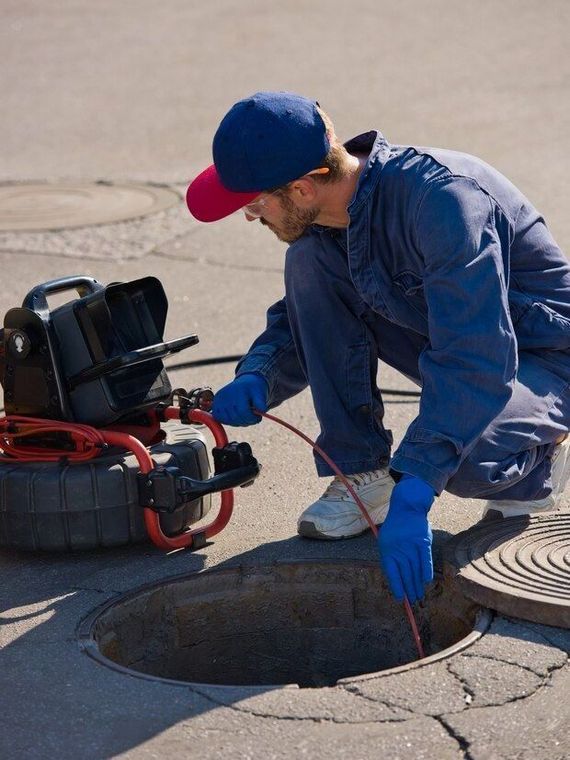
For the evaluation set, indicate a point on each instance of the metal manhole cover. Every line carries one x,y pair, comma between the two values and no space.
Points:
43,206
518,566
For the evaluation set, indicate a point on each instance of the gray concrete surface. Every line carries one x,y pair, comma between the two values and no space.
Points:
134,91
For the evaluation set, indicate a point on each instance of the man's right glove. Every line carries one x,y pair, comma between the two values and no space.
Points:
405,539
234,402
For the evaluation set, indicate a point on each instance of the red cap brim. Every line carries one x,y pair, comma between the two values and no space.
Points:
208,200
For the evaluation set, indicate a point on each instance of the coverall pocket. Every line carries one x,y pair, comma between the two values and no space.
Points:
538,326
411,286
410,283
422,435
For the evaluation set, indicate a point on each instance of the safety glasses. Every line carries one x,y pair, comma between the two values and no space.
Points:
257,207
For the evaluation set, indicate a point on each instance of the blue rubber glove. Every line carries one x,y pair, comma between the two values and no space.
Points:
405,539
234,402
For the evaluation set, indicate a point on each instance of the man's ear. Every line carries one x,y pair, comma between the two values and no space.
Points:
303,190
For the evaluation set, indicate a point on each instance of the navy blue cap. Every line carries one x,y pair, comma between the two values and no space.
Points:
264,141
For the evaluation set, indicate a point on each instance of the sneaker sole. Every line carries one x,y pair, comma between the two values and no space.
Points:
496,514
492,515
308,530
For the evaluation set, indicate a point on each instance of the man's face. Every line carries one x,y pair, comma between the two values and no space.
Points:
283,217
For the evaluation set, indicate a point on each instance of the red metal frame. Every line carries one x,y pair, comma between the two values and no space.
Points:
151,518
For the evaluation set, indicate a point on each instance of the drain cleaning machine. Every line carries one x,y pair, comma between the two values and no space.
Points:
85,459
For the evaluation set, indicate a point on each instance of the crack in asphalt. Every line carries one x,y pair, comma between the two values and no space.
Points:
354,690
213,263
549,669
467,688
152,252
463,743
314,719
55,255
544,683
516,698
464,685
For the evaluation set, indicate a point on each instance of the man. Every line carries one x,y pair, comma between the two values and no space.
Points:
429,260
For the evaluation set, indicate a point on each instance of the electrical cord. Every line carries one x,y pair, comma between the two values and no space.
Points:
236,357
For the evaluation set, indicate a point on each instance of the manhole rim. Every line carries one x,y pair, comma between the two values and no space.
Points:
88,644
172,189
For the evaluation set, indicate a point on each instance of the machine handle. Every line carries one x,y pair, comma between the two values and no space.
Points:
36,299
164,489
140,355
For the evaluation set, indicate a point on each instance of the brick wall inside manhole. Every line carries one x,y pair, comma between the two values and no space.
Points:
301,623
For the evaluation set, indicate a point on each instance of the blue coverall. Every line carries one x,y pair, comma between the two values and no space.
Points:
449,274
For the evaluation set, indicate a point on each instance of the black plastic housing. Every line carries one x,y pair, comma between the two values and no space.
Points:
96,359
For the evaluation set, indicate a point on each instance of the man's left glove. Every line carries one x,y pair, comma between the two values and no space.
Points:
405,539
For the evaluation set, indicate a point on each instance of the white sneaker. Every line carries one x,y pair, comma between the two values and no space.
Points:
336,514
560,475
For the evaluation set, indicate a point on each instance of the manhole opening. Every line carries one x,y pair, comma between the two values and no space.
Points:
309,624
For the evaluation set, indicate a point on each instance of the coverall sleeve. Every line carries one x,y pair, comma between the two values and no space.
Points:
469,365
274,356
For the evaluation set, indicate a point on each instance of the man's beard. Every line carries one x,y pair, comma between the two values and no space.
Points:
295,221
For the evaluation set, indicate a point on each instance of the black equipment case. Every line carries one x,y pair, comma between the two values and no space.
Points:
95,359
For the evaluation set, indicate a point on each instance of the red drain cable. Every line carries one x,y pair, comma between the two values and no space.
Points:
369,520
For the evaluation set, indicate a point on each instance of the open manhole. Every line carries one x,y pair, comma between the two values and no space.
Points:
301,623
44,206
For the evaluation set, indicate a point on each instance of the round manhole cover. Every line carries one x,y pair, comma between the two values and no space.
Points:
37,206
310,624
519,566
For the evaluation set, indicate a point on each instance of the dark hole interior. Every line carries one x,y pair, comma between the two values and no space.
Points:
303,623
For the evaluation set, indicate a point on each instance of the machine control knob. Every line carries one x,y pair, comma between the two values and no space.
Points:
19,345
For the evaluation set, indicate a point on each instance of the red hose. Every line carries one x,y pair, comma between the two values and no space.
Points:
87,440
369,520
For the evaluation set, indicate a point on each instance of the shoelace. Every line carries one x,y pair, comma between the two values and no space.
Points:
337,488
